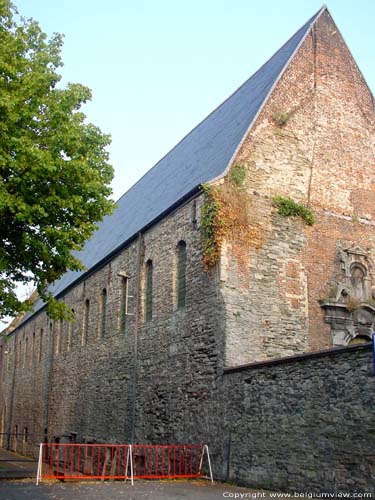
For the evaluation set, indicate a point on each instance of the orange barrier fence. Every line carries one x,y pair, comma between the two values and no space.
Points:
122,461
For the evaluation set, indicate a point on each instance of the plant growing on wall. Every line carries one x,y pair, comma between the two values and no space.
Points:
224,215
237,175
281,118
289,208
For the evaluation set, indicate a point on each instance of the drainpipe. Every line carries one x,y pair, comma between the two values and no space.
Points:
11,401
133,388
48,373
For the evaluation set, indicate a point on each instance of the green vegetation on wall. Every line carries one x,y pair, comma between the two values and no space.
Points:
289,208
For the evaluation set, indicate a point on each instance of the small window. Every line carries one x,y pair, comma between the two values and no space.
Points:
40,345
148,296
85,322
15,437
25,352
9,355
25,434
70,332
33,350
124,302
103,311
181,275
58,338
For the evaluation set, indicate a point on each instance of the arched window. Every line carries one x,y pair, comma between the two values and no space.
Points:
181,275
57,338
40,345
124,303
25,352
103,310
70,332
33,350
86,320
148,290
19,357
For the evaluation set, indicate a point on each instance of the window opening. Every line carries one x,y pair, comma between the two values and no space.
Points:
181,275
103,312
148,304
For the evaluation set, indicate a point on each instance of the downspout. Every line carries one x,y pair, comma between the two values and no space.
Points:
10,413
134,377
48,375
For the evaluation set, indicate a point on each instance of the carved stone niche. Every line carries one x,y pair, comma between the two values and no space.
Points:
350,309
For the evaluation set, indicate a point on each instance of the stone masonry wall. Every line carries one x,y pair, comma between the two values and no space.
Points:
151,383
324,156
303,424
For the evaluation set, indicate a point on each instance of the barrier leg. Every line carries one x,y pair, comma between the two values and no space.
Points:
40,461
205,449
131,463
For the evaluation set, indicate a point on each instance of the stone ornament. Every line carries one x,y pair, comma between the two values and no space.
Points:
351,311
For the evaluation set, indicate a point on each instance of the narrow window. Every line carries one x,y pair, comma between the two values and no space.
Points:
61,330
86,322
50,337
57,339
25,352
148,296
25,435
15,437
181,275
19,356
32,350
9,359
124,302
70,332
103,310
194,213
40,345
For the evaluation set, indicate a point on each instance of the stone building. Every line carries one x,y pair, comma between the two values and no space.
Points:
216,292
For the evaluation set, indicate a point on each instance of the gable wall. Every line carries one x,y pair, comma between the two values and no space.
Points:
323,156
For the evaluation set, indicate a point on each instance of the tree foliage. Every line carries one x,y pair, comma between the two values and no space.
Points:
54,165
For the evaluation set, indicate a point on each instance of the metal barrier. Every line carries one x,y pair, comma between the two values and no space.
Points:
83,461
125,461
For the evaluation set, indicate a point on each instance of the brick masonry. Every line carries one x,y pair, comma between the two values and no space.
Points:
163,380
323,156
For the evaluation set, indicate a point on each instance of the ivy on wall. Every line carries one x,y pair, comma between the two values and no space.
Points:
224,215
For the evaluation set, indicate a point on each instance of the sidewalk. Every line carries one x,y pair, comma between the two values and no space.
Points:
15,466
123,490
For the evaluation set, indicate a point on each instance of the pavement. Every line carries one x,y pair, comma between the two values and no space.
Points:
142,490
14,467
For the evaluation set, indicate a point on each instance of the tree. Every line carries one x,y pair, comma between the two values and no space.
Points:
53,165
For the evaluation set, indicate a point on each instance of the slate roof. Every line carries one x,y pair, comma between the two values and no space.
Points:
202,155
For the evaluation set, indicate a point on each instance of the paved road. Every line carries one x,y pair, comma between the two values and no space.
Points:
13,465
142,490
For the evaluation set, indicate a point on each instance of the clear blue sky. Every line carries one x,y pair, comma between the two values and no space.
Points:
158,67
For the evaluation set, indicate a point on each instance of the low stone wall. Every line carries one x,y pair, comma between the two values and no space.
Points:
304,423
